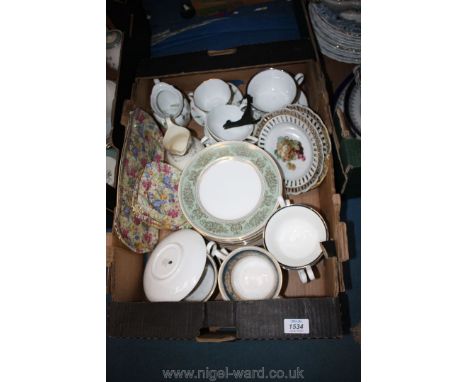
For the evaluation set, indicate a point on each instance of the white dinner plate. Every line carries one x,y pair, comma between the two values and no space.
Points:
229,190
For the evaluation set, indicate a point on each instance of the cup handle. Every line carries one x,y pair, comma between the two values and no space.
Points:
283,202
302,276
213,250
306,274
251,139
204,140
299,78
190,95
310,273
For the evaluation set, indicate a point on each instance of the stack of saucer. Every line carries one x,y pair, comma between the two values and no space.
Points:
338,35
228,192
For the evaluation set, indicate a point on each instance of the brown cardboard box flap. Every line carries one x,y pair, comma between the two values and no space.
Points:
247,319
164,320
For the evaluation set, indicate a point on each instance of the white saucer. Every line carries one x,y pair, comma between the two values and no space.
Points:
175,266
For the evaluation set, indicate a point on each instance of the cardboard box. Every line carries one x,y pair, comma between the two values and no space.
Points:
131,315
347,148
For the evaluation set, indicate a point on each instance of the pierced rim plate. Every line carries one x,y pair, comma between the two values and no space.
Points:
229,190
295,144
319,126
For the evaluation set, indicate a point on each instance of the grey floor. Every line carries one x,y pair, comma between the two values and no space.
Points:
320,360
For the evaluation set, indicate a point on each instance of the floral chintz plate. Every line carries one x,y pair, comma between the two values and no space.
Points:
295,144
156,197
143,144
229,190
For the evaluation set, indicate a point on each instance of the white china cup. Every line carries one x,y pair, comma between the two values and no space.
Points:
272,89
247,273
216,119
293,235
168,102
212,93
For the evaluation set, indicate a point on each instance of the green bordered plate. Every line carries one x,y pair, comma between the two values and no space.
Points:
229,190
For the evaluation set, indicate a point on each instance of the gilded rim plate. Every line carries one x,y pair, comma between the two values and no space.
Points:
207,200
293,141
319,126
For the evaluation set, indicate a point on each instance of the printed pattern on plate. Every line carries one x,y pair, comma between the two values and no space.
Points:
207,224
318,167
319,126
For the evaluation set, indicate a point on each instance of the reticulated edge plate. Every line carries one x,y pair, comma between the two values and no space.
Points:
292,146
201,217
318,124
295,144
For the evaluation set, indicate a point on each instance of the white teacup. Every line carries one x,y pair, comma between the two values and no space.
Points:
273,89
212,93
216,119
293,235
168,102
247,273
